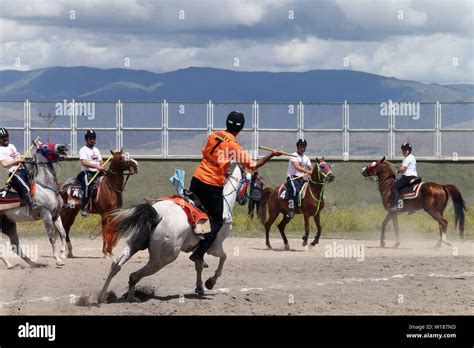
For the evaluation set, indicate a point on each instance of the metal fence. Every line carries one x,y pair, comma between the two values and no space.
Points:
438,131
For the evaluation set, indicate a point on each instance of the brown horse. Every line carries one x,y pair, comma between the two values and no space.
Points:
110,187
311,205
432,197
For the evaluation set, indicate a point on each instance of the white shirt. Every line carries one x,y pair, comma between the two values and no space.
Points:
303,160
9,153
410,163
91,155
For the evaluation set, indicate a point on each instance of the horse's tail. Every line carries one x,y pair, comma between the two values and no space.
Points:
459,207
138,222
262,211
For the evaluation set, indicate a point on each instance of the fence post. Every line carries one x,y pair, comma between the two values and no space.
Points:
72,124
26,126
210,117
164,120
255,129
301,120
345,131
391,128
438,129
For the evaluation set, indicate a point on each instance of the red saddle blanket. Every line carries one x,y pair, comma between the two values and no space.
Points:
195,215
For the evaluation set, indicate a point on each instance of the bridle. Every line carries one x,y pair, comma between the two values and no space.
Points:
323,183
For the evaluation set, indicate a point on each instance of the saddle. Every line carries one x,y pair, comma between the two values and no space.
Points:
10,199
412,190
197,217
282,193
73,189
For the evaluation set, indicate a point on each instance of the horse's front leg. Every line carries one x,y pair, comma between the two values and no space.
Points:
317,221
306,229
212,280
48,224
198,265
384,226
397,230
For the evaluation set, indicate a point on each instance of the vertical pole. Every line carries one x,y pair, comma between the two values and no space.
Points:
345,132
165,128
438,129
391,128
301,120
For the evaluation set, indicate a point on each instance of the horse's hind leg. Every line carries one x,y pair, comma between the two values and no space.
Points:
68,215
268,225
443,226
62,234
281,228
48,224
127,253
317,221
9,228
161,254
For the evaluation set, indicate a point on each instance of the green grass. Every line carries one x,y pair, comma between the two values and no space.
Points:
346,222
353,205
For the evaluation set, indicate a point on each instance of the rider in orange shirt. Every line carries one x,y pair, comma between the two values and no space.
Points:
208,180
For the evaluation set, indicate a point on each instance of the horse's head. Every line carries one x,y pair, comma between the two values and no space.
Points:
52,152
122,161
240,179
322,172
374,169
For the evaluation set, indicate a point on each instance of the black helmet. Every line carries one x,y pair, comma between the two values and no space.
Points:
3,132
235,121
301,142
90,134
406,146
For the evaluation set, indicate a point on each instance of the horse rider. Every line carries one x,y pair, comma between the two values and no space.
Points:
91,162
208,180
10,160
408,171
298,166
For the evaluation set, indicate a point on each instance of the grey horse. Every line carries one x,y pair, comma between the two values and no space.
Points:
164,230
47,198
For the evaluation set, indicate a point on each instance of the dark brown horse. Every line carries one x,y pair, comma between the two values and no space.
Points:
432,198
110,188
311,205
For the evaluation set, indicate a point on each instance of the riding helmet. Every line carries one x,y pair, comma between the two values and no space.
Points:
406,146
301,142
3,133
235,121
90,134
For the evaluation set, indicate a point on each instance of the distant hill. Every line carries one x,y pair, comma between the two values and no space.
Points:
203,84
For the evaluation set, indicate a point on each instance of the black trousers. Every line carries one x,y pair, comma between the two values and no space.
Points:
211,198
294,187
20,182
254,203
84,178
398,185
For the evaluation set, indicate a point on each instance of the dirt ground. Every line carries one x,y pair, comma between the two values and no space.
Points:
414,279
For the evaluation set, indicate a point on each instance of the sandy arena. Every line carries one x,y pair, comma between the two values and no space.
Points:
414,279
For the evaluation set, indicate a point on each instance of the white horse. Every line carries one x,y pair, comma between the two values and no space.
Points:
41,171
164,229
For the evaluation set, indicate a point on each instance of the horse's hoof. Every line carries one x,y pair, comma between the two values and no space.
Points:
70,256
382,244
396,245
38,265
209,284
133,299
199,291
60,262
305,243
314,242
269,247
287,247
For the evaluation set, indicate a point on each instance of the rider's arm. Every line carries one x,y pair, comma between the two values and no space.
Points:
299,167
402,169
8,163
90,164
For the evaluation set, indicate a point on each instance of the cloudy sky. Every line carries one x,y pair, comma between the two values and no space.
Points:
428,41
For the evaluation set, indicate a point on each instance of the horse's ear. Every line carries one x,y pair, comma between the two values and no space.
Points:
383,159
322,159
317,160
111,152
121,150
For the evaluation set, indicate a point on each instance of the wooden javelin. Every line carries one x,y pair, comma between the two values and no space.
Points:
266,148
98,171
